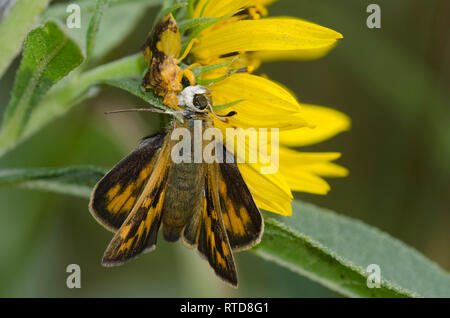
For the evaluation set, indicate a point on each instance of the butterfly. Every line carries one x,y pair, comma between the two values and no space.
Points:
161,51
208,205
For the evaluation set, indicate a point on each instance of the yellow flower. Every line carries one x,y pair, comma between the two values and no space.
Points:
242,31
241,38
268,105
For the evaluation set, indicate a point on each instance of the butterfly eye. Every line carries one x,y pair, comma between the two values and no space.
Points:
200,101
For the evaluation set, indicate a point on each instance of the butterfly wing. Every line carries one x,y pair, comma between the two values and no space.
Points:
207,231
139,231
241,216
117,192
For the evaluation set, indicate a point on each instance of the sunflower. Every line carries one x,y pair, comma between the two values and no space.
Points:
231,40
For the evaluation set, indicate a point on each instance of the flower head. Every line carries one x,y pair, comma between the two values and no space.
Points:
226,41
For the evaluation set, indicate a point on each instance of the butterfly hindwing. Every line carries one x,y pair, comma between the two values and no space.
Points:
116,193
211,237
139,231
241,216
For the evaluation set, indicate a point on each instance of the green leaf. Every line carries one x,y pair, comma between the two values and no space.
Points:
94,26
193,23
79,87
210,81
329,248
335,251
195,31
209,68
191,7
77,181
19,19
200,70
133,86
49,55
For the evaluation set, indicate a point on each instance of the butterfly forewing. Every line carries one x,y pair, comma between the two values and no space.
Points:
117,192
139,231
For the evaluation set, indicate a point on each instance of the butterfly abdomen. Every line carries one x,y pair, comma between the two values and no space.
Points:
184,196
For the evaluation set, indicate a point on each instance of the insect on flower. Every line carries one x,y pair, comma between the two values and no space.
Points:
161,51
207,204
214,206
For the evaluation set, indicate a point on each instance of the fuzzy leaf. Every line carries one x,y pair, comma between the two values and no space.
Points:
77,181
49,55
133,86
15,23
78,88
335,251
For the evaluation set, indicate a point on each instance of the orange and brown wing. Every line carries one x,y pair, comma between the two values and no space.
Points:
241,216
117,192
206,230
138,233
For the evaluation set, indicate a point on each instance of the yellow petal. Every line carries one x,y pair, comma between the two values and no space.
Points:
294,55
263,2
269,191
265,104
304,181
318,163
327,123
217,9
271,34
263,203
303,171
330,170
295,158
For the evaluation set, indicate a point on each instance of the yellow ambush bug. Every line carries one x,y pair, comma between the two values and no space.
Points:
207,204
161,51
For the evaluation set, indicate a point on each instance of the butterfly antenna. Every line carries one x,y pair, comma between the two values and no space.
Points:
150,110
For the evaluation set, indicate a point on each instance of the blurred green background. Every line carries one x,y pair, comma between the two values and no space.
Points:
394,84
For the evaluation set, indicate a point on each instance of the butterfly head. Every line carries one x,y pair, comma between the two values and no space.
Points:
197,99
